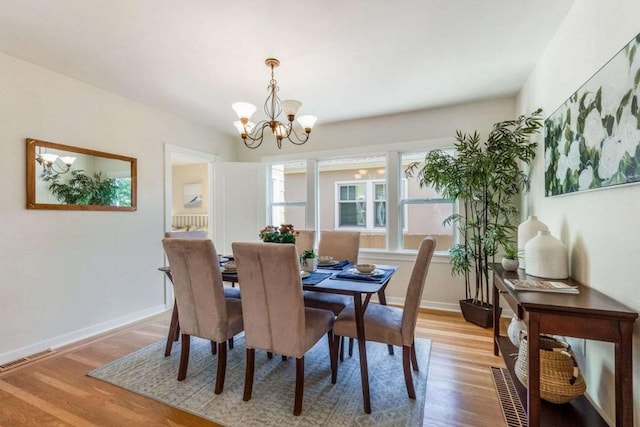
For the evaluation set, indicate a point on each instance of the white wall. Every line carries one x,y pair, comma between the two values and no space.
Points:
600,228
68,274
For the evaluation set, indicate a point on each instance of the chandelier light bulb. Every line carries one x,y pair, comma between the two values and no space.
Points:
49,157
290,108
68,160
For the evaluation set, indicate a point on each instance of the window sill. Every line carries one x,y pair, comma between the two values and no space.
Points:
440,257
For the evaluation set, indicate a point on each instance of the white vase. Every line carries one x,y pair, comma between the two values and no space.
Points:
309,264
517,328
546,257
527,231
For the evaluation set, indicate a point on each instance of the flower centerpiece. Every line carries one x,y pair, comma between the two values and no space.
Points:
283,234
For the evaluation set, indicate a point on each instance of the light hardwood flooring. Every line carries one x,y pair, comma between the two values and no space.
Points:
56,392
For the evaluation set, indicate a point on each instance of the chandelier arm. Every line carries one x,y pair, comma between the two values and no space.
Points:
256,136
298,140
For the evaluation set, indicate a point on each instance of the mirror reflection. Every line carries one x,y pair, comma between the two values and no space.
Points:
65,177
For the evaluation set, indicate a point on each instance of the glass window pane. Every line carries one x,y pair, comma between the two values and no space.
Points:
425,220
289,184
295,215
380,214
347,197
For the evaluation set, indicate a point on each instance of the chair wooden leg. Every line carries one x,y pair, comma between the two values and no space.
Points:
248,374
231,343
184,356
269,355
297,406
414,359
390,347
222,367
284,358
214,348
334,343
406,365
350,347
341,349
174,331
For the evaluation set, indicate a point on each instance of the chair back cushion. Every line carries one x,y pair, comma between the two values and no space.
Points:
341,245
305,240
272,305
197,284
415,288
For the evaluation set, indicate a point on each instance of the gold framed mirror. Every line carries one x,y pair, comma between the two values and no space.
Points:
62,177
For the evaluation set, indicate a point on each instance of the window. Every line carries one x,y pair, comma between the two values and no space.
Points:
362,204
288,194
424,211
367,193
353,196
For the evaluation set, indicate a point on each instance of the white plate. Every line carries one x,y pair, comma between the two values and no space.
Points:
304,274
375,272
327,263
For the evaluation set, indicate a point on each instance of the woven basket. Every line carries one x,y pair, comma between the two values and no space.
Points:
560,377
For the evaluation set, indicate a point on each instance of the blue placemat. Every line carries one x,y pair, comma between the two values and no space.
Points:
363,277
339,266
315,278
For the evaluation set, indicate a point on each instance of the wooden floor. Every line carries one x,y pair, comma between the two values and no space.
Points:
56,392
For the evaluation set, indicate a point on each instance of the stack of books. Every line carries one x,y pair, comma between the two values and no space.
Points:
541,286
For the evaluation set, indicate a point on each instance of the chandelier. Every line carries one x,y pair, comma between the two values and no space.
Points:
53,164
252,134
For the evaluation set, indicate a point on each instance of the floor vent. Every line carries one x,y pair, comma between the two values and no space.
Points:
26,360
512,409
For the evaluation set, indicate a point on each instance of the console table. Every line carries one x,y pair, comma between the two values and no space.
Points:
590,315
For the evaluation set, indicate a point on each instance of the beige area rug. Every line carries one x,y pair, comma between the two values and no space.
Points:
149,373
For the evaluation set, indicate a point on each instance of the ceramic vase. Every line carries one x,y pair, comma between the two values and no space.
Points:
546,257
517,328
309,264
527,231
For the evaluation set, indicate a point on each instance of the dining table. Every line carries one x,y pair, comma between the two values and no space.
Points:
336,279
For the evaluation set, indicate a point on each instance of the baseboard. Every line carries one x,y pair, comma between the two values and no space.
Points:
80,334
442,306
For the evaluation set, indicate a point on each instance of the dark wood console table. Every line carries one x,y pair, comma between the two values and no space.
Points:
589,315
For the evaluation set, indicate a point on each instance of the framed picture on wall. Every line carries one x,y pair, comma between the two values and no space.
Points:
193,195
593,140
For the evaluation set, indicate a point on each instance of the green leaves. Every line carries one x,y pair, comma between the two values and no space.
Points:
83,189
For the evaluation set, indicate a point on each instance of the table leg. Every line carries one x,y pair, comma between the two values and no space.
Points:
623,375
533,391
362,347
383,300
173,330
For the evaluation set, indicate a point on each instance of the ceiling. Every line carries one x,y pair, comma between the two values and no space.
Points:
344,59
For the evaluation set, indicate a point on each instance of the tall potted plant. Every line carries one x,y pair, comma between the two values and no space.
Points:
485,177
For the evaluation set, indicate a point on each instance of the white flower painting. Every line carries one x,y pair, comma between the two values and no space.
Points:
593,140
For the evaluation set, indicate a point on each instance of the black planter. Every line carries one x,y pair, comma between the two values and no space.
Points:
478,314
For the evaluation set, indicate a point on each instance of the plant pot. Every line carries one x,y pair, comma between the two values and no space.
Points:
478,314
510,264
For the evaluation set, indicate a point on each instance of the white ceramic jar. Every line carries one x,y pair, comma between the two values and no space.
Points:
546,257
527,231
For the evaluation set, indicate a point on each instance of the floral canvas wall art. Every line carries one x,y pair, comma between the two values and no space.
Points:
593,140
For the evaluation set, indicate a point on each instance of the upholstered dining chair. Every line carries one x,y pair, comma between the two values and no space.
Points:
341,245
275,317
305,240
393,325
204,310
